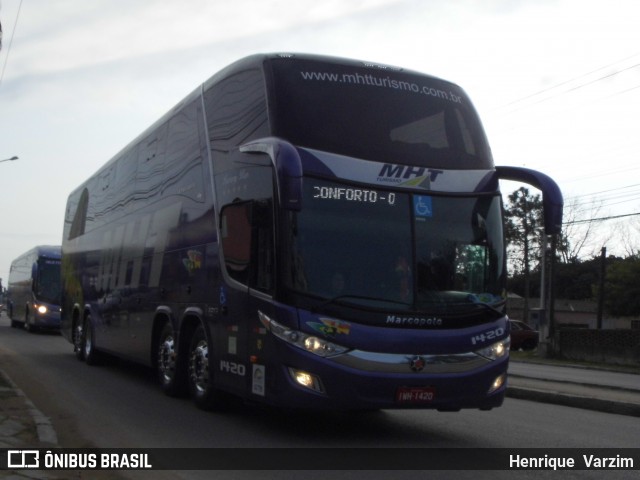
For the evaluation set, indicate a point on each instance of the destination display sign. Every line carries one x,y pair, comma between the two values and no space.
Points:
352,194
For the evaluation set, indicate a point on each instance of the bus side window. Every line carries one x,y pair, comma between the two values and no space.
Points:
79,221
247,243
236,109
235,229
262,245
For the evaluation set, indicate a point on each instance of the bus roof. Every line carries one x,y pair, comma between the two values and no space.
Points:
256,61
49,251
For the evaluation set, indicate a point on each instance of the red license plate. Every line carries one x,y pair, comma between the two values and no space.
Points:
415,394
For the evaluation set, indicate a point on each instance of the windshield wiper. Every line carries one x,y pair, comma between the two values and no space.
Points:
337,298
486,306
444,301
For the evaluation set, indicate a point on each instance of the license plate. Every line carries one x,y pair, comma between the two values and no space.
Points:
415,394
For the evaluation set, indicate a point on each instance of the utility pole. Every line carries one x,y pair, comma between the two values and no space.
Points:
543,261
603,272
552,292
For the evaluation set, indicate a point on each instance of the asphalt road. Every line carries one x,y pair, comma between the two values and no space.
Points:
119,405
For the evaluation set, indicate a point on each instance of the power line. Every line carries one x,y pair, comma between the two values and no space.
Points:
15,24
576,83
600,174
600,219
574,79
617,72
589,202
603,191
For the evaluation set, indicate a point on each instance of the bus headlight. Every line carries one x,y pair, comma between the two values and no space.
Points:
41,309
308,343
495,351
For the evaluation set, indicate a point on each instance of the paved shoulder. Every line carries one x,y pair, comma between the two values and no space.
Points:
576,374
601,390
21,423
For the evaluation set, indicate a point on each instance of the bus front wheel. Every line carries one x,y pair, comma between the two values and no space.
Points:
168,365
27,323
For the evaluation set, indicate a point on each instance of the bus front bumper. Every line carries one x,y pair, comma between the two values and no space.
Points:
364,380
45,317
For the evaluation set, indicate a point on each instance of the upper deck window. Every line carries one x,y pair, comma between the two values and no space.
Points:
380,115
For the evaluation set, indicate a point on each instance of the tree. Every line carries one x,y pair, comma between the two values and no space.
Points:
523,233
579,227
622,289
575,280
523,229
628,232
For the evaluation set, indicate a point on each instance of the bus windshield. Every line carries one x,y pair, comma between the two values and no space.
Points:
48,285
396,250
380,115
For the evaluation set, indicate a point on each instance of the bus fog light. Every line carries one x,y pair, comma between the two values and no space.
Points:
307,380
498,382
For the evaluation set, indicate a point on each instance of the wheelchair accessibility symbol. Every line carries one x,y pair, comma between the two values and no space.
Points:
422,206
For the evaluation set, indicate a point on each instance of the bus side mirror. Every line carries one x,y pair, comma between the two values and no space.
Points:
288,166
552,200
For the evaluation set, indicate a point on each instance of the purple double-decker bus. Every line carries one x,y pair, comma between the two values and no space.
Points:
302,231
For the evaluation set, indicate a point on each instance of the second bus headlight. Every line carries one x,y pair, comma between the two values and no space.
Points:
41,309
497,350
309,343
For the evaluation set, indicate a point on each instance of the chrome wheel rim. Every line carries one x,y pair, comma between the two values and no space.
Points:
199,366
88,342
77,340
167,358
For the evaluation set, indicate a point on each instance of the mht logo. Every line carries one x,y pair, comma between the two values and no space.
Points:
420,177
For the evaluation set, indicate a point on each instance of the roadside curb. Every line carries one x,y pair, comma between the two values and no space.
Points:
44,429
575,401
570,364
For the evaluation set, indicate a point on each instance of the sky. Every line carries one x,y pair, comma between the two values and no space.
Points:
556,84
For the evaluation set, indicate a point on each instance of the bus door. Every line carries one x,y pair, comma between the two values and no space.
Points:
247,247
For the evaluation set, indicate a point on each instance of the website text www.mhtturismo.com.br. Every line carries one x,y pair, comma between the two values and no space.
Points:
384,82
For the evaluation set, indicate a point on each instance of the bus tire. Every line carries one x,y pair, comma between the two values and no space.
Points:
27,324
14,323
78,335
89,352
200,376
169,369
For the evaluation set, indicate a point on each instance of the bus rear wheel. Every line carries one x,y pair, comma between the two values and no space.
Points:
78,335
84,344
